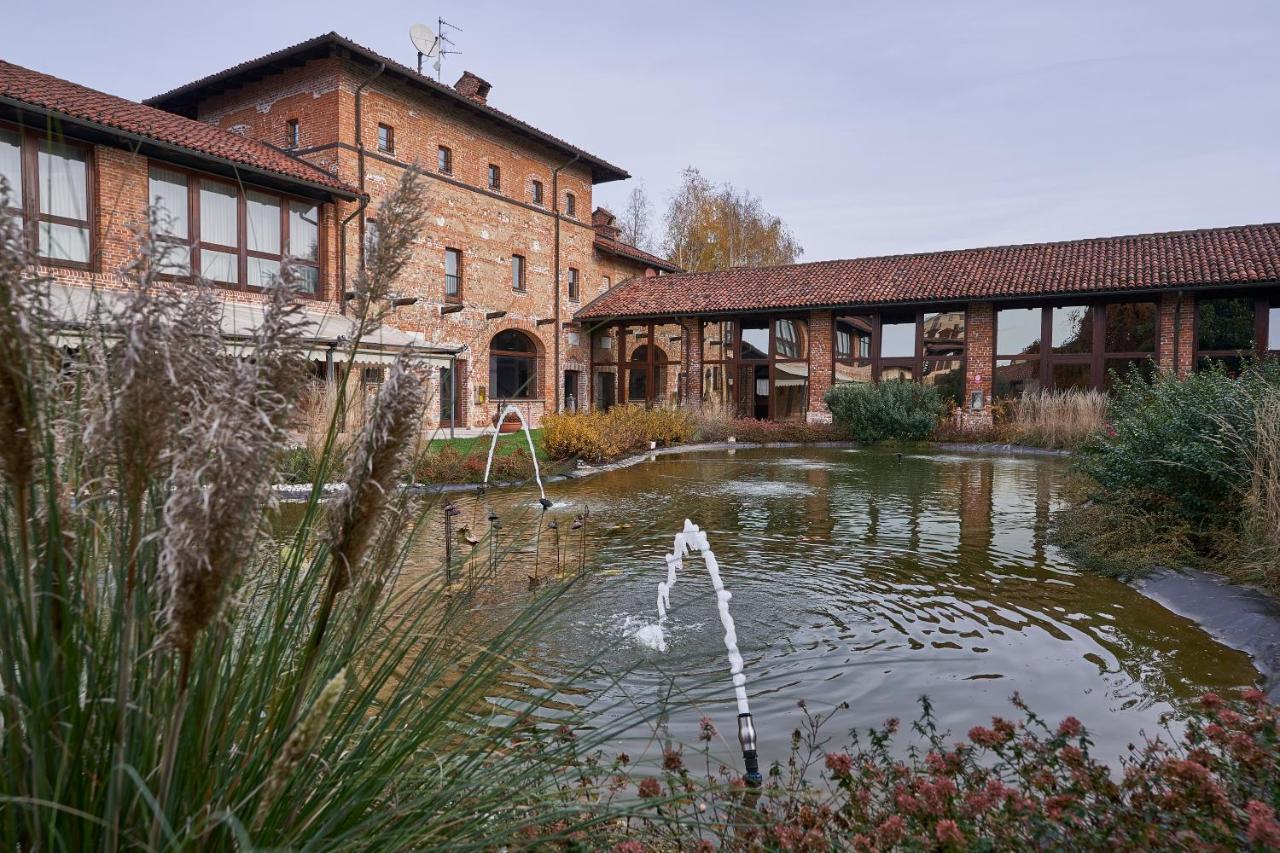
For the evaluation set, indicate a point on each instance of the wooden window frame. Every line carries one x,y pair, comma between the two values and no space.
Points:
519,283
30,141
571,205
573,282
195,244
389,137
536,193
1261,326
292,134
446,153
456,296
495,178
626,365
534,388
1098,355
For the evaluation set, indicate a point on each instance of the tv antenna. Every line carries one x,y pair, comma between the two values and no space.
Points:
433,45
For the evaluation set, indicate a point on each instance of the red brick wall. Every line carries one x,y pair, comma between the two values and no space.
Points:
1184,322
980,342
692,391
821,367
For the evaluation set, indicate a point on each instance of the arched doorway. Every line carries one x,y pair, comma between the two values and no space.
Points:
513,366
647,376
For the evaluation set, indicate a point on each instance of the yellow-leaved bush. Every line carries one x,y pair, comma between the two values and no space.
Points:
599,436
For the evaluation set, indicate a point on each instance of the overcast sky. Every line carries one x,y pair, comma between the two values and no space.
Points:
869,126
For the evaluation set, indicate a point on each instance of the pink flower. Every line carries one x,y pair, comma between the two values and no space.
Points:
706,729
649,788
1211,700
1263,829
1070,727
672,761
1254,695
839,763
948,832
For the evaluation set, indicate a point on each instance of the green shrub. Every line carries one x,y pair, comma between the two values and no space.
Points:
297,465
902,411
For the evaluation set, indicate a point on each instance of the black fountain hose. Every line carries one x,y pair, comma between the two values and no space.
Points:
750,758
546,504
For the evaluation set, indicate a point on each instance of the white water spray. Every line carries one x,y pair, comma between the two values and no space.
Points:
653,636
493,445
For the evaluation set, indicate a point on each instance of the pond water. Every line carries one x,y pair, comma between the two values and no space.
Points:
857,576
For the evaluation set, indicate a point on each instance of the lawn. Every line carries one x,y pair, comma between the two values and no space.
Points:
462,460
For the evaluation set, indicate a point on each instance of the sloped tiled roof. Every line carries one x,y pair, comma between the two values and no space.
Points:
626,250
80,104
181,97
1212,256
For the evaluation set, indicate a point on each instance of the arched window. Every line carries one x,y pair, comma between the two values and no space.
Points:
513,366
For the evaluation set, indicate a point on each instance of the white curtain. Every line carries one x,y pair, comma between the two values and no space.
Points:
11,165
304,231
218,215
263,213
63,184
169,196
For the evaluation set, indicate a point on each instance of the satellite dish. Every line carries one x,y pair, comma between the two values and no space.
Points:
424,39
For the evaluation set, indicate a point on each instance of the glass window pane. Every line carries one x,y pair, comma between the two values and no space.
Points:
1072,329
1014,376
218,214
947,375
717,340
262,271
753,391
897,339
791,338
604,348
64,242
219,266
11,164
717,388
1225,324
517,272
168,191
63,181
1131,327
755,338
897,372
1017,331
308,279
304,230
263,220
173,258
1068,376
1273,328
1119,368
853,337
638,385
943,333
790,391
853,371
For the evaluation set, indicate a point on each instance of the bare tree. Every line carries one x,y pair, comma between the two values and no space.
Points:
637,220
713,227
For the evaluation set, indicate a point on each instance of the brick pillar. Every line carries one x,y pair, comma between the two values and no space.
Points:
979,337
821,366
691,355
1177,332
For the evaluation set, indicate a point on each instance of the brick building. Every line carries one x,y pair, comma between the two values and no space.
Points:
306,142
511,247
978,323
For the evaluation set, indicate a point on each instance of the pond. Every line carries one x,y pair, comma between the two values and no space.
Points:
857,576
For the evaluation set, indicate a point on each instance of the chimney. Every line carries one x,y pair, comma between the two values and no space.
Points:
471,86
602,220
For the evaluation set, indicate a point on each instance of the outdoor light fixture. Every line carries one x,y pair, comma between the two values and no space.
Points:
449,309
495,315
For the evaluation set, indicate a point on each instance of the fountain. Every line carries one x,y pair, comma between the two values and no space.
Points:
493,445
654,636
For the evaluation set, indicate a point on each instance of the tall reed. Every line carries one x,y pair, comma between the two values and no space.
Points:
169,680
1059,419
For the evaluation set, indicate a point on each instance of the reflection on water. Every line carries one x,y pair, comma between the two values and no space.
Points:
857,576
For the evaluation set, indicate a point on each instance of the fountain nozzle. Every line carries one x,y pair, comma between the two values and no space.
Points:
747,737
546,504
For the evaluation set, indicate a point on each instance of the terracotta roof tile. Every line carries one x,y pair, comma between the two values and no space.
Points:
626,250
1215,256
601,169
80,103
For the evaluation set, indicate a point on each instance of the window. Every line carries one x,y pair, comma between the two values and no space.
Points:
242,237
444,161
570,204
606,283
512,366
452,275
50,185
573,284
1226,330
853,348
495,178
292,134
386,139
517,272
1018,335
537,192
